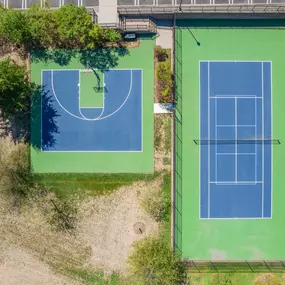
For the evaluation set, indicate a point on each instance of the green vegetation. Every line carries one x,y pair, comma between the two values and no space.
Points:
15,89
96,277
65,185
164,76
153,262
67,27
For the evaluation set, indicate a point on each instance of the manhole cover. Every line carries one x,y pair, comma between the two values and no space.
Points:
139,228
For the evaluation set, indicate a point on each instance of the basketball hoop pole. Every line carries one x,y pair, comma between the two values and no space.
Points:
180,6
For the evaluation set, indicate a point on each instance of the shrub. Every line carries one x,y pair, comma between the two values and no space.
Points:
153,262
160,54
268,279
13,26
165,81
164,75
154,203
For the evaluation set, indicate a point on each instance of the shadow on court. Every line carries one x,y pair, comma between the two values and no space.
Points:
25,126
43,120
102,59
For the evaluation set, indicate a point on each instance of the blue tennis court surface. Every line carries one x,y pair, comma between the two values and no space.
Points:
114,125
235,105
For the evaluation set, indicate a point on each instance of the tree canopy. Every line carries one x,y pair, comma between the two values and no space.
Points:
40,27
15,89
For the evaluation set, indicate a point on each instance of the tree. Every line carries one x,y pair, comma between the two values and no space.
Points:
15,89
99,36
13,26
74,24
43,30
153,262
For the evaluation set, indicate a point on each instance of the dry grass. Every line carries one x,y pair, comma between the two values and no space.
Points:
108,225
105,233
162,141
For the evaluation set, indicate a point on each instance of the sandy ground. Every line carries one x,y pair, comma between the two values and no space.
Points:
108,225
18,267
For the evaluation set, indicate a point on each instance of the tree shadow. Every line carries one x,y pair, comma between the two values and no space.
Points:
26,126
43,120
102,59
60,56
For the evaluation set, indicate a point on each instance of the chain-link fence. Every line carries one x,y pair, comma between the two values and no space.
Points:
178,140
231,266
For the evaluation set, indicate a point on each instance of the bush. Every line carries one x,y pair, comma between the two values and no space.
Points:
160,54
154,203
165,81
268,279
164,75
154,263
13,26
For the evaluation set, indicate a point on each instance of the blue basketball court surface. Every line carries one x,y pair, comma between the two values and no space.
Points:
113,126
235,114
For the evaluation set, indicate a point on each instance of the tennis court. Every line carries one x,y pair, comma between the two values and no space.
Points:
97,110
235,134
229,140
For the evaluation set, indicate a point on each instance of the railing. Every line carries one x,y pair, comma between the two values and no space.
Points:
137,25
195,9
159,6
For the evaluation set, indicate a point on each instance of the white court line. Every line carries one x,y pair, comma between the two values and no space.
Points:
88,70
200,137
233,218
273,137
255,147
209,156
262,102
236,137
236,182
233,153
240,97
242,126
99,118
81,118
79,104
246,61
216,137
